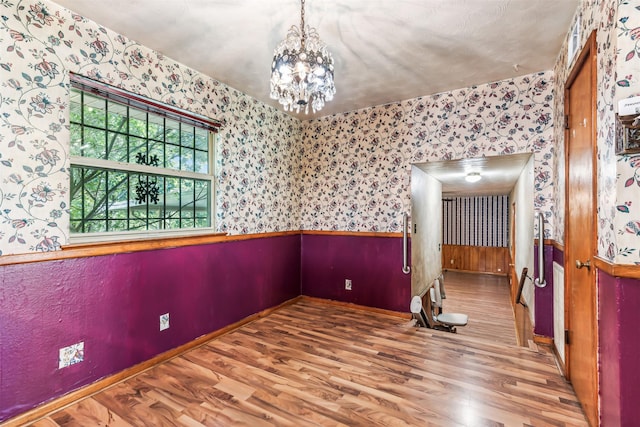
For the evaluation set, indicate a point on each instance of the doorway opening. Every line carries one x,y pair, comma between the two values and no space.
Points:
475,229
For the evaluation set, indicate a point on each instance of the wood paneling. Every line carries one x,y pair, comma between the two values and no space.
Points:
482,259
321,364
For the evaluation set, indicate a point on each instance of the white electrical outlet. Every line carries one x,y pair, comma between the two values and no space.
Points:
164,321
71,355
347,284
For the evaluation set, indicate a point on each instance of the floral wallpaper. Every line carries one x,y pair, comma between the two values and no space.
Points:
357,165
618,65
274,173
627,84
598,16
258,158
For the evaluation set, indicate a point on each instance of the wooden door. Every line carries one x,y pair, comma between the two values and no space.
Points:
580,235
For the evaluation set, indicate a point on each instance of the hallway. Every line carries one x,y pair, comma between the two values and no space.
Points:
485,299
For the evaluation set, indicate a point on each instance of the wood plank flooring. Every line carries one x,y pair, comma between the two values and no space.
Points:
313,363
485,299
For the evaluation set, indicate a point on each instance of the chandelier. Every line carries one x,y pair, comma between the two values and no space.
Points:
302,70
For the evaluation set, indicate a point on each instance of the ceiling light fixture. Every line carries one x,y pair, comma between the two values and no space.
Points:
302,70
473,177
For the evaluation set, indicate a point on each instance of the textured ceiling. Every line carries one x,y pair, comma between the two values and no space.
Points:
384,50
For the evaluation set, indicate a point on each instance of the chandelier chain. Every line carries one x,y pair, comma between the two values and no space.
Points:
302,30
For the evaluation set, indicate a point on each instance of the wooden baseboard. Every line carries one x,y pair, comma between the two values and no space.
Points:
376,310
541,339
503,274
558,360
93,388
523,325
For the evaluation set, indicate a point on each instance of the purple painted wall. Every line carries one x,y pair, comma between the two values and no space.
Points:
629,311
113,304
619,344
558,257
609,363
374,264
619,317
544,296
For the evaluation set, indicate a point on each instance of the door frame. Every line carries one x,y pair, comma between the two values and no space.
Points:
587,57
513,274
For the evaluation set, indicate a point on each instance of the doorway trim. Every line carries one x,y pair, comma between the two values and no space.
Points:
588,57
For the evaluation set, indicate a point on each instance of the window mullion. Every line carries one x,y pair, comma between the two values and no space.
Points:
128,202
195,216
106,192
128,130
82,142
148,157
128,134
148,202
84,229
106,155
212,186
164,204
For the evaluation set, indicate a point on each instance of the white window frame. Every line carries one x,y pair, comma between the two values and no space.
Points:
89,162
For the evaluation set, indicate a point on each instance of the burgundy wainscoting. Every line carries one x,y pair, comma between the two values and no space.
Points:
619,318
558,257
113,304
373,264
544,296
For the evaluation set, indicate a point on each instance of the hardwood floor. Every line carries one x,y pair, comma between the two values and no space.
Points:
485,299
314,363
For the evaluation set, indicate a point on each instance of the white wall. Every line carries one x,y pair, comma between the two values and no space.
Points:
558,309
522,196
426,217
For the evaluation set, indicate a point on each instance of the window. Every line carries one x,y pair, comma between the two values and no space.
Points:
137,166
574,41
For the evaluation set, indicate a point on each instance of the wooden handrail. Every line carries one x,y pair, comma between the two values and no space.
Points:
110,248
523,276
